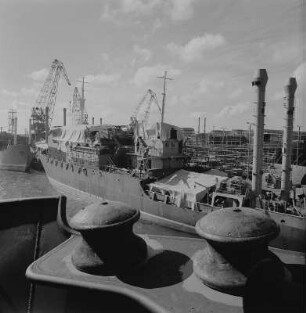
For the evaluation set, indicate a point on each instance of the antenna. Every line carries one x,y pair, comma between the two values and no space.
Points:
164,95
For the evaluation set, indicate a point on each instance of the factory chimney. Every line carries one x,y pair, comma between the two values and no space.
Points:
100,120
64,116
287,139
93,121
260,81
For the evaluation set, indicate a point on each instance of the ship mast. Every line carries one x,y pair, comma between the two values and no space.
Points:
164,98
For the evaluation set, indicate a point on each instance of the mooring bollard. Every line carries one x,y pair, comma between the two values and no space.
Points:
108,244
237,239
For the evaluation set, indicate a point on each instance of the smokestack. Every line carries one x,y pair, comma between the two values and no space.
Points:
287,139
260,81
199,124
204,130
93,121
64,113
100,120
47,124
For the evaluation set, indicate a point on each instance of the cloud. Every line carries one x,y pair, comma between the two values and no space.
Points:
196,47
300,74
103,79
39,75
8,93
175,10
235,93
157,24
279,95
285,52
147,73
181,10
108,14
104,57
30,92
144,54
139,6
206,86
232,110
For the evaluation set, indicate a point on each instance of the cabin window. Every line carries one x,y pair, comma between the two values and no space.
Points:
173,133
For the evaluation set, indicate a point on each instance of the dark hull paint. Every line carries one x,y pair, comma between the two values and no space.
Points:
126,188
28,229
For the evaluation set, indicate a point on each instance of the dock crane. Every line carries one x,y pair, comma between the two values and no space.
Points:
42,112
135,121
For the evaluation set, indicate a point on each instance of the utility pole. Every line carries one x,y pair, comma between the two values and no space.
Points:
298,144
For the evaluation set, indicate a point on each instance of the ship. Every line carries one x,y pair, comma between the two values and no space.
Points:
15,156
146,171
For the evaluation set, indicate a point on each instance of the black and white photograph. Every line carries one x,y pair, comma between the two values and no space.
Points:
152,156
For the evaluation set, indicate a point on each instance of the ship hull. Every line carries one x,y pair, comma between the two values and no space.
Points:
91,185
16,158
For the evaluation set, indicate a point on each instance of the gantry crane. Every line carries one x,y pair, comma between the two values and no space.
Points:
135,120
42,112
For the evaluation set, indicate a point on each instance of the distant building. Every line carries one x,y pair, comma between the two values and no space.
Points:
240,139
190,136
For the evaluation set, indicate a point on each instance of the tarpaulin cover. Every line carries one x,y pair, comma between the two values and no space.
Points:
186,188
72,134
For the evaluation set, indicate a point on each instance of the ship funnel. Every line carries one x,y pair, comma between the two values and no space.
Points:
259,81
64,116
290,89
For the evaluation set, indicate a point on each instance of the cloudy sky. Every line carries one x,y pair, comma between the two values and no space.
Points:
211,49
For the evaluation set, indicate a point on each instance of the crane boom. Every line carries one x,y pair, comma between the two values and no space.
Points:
138,123
47,98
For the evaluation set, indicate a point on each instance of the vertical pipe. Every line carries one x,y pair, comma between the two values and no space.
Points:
64,113
15,130
287,139
30,134
259,81
47,124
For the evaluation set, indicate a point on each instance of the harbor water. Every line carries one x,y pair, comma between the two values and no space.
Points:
35,184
